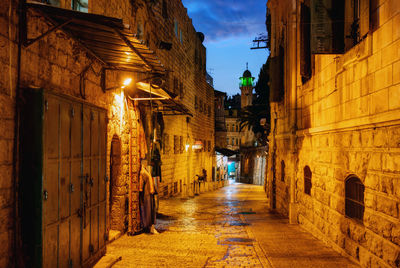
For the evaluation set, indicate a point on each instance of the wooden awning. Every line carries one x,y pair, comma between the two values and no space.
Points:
105,38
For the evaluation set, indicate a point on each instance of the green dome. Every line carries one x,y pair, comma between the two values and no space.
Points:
247,73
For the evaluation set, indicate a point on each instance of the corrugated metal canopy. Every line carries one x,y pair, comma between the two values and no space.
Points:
106,38
174,107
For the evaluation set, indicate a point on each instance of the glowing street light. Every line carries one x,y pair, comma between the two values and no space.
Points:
127,82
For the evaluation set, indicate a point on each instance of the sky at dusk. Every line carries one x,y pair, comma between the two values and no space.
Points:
229,27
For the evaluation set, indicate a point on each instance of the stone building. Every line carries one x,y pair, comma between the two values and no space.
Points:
335,113
220,121
80,95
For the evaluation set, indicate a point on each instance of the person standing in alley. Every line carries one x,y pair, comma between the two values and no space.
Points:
147,190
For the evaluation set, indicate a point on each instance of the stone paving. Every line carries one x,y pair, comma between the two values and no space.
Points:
230,227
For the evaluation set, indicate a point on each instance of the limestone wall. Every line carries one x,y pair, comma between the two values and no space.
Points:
344,121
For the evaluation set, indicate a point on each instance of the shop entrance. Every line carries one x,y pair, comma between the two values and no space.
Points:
63,180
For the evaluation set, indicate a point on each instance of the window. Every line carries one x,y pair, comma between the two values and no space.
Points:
165,144
354,203
338,25
237,128
233,141
196,103
209,146
181,36
165,9
356,21
176,28
237,142
305,45
181,93
209,110
80,5
227,141
201,106
282,170
307,180
181,145
176,144
277,72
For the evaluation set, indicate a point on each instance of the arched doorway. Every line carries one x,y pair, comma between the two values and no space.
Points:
115,173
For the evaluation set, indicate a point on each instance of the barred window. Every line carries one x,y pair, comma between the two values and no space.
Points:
307,180
354,203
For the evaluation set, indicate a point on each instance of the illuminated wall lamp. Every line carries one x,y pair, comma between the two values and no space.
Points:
126,83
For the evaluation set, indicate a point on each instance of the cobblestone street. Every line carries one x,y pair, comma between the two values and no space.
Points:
229,227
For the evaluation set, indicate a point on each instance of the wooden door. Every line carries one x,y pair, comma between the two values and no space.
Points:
74,183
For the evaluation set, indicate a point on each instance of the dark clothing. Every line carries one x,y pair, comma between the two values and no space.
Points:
146,200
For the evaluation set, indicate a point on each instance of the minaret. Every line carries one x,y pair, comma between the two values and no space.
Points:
246,87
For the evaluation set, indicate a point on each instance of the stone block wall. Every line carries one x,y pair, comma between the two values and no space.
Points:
186,61
370,155
344,121
55,63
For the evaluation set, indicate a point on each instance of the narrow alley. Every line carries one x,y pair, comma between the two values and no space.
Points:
230,227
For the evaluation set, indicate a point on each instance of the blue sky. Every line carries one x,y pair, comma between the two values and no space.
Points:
229,27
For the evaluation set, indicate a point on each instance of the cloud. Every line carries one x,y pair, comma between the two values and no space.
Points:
222,19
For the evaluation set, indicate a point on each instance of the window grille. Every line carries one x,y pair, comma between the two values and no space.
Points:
354,203
307,180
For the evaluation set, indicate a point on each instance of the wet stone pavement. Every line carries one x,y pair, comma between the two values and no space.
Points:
230,227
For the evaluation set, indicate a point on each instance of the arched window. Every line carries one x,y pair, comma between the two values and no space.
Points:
282,170
307,180
354,204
